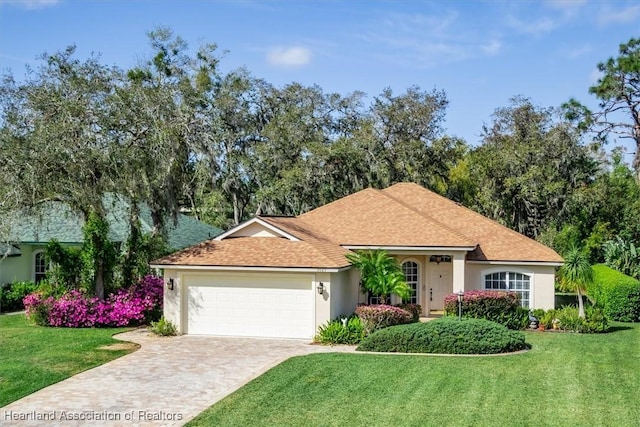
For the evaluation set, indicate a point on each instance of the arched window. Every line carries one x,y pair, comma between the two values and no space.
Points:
40,266
519,283
411,276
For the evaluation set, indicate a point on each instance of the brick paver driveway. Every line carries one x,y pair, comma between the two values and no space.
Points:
167,382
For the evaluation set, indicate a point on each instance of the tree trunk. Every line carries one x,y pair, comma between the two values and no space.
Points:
580,305
236,210
129,268
99,289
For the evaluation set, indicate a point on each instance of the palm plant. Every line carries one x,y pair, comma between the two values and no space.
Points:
381,274
576,274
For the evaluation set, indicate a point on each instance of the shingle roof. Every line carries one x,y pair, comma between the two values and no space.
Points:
254,252
496,242
56,220
403,215
371,218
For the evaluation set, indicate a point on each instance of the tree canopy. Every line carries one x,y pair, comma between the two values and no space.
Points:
176,133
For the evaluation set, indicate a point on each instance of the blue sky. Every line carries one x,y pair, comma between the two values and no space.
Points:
480,53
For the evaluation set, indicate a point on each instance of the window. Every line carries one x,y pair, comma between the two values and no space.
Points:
410,270
510,281
40,266
375,299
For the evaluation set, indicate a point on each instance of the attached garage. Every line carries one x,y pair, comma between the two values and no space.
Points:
249,305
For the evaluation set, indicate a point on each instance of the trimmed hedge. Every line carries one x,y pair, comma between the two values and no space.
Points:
617,293
414,309
379,316
446,336
497,306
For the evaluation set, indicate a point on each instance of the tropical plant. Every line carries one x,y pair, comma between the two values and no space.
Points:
576,274
622,255
164,327
380,273
343,330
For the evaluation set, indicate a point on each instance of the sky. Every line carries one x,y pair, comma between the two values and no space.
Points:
480,53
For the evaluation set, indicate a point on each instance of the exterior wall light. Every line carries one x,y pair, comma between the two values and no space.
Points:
460,294
320,288
170,283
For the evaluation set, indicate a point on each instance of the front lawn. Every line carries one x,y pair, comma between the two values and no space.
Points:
33,357
566,379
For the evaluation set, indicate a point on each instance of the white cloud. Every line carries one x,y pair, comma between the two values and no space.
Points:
31,4
536,28
289,56
579,51
492,48
427,40
623,16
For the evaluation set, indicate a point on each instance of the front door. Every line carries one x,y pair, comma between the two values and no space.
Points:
440,284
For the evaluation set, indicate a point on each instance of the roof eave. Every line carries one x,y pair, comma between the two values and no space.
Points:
512,262
251,268
410,248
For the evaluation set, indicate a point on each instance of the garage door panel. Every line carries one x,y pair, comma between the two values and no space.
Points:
260,306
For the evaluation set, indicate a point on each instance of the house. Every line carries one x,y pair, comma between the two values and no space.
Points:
23,258
286,276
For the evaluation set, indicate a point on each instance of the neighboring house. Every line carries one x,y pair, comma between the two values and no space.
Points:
24,258
286,276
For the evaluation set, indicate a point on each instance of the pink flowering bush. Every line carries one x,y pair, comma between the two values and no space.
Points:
379,316
498,306
140,303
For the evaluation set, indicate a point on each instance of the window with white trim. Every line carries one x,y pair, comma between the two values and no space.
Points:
410,270
376,299
512,281
40,266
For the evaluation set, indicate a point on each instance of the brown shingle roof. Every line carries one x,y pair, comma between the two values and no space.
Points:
496,242
402,215
371,218
255,252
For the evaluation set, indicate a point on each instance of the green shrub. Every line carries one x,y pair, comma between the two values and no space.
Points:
595,320
616,293
11,295
341,331
414,309
496,306
379,316
446,335
546,319
164,327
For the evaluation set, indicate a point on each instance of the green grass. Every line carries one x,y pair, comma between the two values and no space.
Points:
565,380
33,357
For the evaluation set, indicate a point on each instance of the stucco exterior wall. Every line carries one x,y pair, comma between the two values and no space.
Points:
344,293
20,268
172,300
542,280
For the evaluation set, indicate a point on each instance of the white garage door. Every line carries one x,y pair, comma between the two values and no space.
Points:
251,306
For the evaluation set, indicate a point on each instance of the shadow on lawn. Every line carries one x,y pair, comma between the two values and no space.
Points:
618,328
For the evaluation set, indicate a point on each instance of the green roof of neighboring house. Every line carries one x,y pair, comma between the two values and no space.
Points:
56,220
